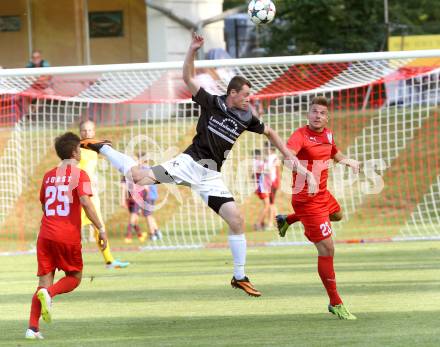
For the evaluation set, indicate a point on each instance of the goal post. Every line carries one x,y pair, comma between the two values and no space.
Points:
384,112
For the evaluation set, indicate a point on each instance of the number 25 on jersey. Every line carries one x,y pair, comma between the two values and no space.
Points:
57,194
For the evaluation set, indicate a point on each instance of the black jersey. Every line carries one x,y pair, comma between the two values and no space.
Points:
218,128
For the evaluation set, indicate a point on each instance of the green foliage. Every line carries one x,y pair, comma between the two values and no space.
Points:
343,26
227,4
421,16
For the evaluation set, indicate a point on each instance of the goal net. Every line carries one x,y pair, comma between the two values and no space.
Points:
384,112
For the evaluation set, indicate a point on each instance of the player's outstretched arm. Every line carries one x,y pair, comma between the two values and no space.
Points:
124,194
90,211
189,72
292,158
342,159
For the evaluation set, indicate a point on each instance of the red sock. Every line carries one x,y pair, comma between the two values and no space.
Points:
138,230
64,285
328,278
292,218
35,312
128,233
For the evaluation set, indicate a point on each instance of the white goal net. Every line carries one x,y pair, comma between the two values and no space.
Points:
384,112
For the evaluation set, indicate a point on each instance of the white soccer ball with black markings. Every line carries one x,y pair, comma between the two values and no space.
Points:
261,11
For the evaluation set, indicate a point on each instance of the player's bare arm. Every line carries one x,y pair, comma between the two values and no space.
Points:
189,72
124,193
292,158
90,211
342,159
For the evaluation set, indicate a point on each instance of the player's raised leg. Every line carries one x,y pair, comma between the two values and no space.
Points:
42,299
326,272
237,242
64,285
284,222
33,331
122,162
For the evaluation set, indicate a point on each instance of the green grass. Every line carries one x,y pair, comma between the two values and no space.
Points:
182,298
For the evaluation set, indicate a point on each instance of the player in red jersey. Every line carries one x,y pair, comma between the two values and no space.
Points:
315,147
64,190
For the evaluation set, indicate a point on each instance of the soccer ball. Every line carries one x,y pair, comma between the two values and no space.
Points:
261,11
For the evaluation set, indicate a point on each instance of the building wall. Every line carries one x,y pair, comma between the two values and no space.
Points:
58,30
14,50
169,41
132,47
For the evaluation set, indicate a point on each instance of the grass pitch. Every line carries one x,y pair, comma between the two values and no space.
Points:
183,298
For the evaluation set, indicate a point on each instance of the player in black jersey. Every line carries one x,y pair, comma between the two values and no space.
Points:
222,120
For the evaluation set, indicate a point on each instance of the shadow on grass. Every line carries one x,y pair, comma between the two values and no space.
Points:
87,293
372,329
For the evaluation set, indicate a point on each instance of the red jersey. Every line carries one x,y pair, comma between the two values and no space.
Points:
315,149
60,192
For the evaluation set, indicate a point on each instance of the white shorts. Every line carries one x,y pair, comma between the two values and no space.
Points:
184,170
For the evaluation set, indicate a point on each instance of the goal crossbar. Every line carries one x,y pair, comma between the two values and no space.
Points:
175,65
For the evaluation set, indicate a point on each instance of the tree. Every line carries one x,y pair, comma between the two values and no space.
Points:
344,26
349,25
227,4
420,16
327,26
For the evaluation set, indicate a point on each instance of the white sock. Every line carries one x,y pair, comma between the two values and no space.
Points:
119,160
237,243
